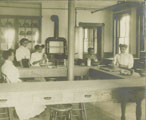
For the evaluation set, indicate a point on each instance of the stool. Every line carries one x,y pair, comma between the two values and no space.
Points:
61,111
80,107
83,111
5,114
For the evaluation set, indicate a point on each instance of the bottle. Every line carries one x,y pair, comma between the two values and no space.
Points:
88,62
65,62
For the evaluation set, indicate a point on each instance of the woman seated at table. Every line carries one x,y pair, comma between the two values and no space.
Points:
8,67
23,106
91,58
123,59
38,58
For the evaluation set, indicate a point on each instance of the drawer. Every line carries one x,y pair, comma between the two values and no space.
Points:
93,96
47,98
5,100
104,95
89,96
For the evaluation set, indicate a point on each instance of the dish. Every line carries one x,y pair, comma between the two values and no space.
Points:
51,66
126,72
43,65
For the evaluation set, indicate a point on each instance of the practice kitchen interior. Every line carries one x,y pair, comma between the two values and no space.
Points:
72,59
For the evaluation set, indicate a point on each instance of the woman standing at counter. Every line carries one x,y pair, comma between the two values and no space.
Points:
24,106
123,59
124,95
38,57
23,53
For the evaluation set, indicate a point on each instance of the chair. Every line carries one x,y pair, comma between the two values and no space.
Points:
5,113
5,78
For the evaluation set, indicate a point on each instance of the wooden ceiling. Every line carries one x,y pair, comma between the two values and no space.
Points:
80,4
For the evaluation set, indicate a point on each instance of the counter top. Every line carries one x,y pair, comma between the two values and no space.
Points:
116,73
61,71
71,85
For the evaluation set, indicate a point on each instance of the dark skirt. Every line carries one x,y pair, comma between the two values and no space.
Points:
132,94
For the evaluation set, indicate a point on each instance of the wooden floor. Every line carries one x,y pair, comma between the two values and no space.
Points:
102,111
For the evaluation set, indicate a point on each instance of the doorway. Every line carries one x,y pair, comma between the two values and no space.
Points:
89,35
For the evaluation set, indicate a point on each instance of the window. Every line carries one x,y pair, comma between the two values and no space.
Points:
7,33
9,36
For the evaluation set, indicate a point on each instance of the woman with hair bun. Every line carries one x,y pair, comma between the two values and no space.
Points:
123,59
25,109
124,95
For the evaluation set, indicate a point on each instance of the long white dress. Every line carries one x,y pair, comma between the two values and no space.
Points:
22,53
24,106
36,56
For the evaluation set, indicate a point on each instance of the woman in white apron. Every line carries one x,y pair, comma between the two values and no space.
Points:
24,106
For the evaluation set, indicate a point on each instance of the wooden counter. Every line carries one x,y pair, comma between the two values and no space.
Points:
61,92
52,72
107,74
78,71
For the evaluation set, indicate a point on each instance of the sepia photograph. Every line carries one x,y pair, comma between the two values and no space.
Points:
72,60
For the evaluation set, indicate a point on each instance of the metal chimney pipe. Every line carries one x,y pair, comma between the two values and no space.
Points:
55,19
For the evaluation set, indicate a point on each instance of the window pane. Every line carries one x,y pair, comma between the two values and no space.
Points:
124,30
127,25
9,36
85,47
122,27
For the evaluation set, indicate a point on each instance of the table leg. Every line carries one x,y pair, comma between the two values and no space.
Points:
138,110
123,110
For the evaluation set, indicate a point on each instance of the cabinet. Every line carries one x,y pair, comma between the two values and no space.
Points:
13,28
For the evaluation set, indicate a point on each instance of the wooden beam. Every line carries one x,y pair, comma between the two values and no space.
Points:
95,25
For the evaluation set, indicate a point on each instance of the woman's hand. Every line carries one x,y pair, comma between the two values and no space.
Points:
44,56
123,66
36,62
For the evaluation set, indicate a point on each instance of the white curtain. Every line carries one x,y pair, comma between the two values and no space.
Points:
79,34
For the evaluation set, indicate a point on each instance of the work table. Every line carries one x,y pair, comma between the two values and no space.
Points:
62,92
